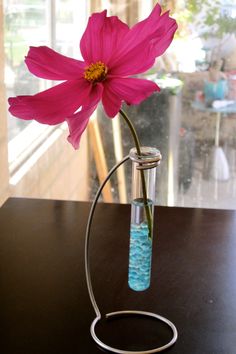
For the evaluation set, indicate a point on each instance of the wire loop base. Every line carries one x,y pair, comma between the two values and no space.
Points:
141,313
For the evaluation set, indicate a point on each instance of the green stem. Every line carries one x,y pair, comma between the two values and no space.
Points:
138,148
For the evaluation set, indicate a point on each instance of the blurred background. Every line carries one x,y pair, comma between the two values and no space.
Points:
192,121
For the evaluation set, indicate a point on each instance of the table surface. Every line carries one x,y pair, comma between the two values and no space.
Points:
228,109
44,303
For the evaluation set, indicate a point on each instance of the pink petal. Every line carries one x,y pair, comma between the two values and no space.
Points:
76,130
102,37
132,91
48,64
165,34
78,122
141,31
143,43
53,105
111,102
139,60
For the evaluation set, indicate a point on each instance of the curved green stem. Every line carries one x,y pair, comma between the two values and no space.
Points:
138,148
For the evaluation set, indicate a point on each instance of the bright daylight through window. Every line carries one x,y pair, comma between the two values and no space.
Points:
34,23
192,120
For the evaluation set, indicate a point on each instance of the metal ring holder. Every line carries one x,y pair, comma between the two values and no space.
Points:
90,289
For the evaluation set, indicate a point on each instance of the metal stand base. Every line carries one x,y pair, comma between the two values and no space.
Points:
90,288
141,313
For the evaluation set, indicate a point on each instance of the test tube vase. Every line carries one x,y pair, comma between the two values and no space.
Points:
142,209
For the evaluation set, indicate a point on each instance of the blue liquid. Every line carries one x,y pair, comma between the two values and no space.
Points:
140,257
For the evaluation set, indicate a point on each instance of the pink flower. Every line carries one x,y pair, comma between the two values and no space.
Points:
112,52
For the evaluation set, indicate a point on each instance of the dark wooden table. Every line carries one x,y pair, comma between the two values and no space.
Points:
44,305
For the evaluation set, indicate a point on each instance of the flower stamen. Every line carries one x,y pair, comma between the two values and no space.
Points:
95,72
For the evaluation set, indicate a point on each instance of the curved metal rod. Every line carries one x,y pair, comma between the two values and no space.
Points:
87,237
140,313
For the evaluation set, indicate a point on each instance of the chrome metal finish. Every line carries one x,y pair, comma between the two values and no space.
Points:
152,163
87,237
141,313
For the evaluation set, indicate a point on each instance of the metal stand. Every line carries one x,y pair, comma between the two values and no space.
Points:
118,313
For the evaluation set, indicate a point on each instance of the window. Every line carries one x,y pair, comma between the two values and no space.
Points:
33,23
26,23
196,136
192,120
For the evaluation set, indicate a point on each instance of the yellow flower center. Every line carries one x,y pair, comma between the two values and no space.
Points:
95,72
